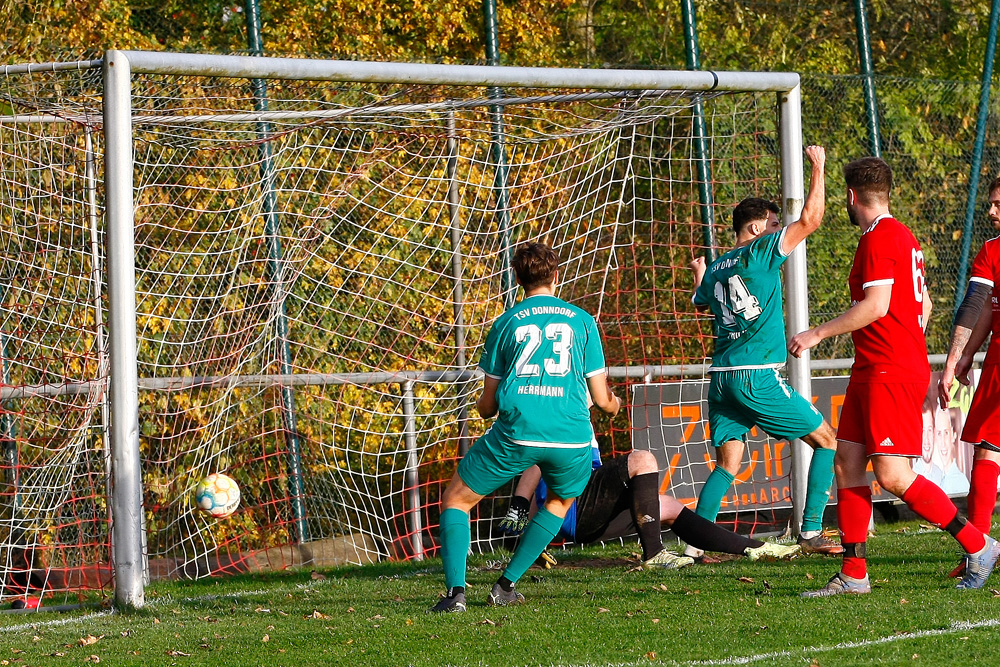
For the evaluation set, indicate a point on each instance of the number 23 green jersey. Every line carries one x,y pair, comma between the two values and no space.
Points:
542,350
743,290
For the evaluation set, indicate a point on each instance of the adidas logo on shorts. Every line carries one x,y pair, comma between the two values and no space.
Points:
886,443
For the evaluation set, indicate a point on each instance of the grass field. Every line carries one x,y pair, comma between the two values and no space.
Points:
593,609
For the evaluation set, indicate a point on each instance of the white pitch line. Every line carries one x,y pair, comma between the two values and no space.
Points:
957,626
53,623
155,602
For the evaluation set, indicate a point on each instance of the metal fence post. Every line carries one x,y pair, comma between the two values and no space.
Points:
701,159
456,272
296,487
499,153
412,471
977,154
865,60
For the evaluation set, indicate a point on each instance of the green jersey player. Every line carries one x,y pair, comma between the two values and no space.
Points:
744,293
542,358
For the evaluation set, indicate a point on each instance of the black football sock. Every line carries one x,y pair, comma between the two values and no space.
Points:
646,512
701,533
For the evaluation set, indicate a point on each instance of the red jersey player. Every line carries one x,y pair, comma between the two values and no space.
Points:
973,324
881,421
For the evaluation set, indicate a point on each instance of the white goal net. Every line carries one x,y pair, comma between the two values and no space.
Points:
317,263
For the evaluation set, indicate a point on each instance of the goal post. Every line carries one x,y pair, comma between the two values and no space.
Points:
328,359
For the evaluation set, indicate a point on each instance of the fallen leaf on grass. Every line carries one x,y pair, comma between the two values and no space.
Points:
601,610
809,576
88,640
651,655
180,653
319,614
409,621
486,621
317,576
93,658
266,638
903,601
746,580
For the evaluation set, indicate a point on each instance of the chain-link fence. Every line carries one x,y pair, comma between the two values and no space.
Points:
928,130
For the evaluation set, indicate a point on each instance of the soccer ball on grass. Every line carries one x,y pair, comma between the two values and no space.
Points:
218,495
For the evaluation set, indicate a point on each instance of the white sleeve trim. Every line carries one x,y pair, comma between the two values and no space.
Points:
981,281
873,283
600,371
490,375
781,243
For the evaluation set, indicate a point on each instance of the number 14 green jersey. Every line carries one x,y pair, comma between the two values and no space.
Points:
743,290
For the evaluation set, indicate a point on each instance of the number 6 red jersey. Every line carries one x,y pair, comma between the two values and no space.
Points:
893,347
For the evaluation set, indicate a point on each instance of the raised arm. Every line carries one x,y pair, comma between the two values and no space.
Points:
698,267
815,206
874,306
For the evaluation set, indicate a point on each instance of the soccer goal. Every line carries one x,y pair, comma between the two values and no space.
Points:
283,270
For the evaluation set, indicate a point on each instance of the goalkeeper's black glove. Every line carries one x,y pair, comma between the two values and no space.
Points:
517,516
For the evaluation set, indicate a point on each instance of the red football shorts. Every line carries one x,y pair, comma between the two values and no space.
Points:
884,417
983,422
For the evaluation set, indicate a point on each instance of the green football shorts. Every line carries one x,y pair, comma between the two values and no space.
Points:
492,461
737,400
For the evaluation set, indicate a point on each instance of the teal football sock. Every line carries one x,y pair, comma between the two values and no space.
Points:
540,531
818,488
710,498
456,535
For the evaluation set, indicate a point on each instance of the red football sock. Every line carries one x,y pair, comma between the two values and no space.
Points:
983,493
854,513
928,500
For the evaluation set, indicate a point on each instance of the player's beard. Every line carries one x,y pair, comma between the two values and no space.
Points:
853,217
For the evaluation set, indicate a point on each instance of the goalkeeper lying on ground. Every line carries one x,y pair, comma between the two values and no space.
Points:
622,498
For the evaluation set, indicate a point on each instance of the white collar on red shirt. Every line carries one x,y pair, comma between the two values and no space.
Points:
878,220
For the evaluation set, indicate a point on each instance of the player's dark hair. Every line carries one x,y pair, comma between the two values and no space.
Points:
750,210
535,265
993,186
870,178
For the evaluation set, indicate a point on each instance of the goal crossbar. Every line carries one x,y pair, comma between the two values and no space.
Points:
252,67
